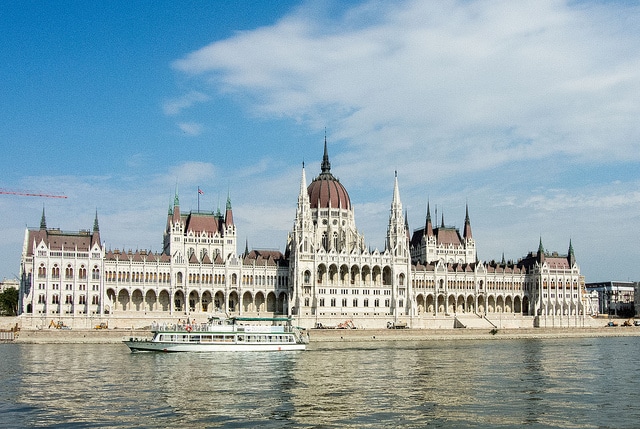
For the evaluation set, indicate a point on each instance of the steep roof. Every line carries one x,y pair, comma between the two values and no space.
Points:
447,235
201,222
55,239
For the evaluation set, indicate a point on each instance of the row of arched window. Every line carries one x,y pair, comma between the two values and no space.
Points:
68,272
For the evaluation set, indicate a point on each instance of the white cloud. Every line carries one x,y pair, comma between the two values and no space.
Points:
191,173
191,128
543,78
176,106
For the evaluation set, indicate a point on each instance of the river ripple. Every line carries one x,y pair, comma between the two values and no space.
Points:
538,383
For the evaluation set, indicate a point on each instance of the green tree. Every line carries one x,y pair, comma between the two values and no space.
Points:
9,302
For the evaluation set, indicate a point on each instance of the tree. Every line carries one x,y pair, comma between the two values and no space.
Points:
9,302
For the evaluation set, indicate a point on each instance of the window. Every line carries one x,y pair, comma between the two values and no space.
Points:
344,302
355,302
321,302
333,302
55,299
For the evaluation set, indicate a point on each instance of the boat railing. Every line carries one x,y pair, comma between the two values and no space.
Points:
217,326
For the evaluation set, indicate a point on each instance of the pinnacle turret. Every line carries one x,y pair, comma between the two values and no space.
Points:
467,225
43,220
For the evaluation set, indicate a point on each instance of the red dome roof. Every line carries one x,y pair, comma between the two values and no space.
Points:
325,190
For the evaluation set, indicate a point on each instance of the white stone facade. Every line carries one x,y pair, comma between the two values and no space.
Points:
326,276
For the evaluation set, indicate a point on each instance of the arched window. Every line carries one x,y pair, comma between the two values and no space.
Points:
68,272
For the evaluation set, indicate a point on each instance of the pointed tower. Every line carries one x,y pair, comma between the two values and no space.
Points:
176,207
428,229
43,221
325,167
540,252
406,224
467,225
571,257
95,237
396,232
303,210
228,216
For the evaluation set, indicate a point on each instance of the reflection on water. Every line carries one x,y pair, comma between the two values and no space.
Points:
586,383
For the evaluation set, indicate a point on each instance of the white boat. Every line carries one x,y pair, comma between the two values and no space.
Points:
233,334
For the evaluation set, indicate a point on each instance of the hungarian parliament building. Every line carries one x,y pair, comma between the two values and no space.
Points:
430,278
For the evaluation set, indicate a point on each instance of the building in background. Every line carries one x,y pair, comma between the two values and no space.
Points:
9,283
615,298
430,278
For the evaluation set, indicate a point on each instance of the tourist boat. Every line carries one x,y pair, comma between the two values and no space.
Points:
218,334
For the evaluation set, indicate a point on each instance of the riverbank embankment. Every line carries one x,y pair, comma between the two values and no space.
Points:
106,336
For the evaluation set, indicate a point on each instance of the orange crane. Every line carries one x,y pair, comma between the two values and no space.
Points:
29,194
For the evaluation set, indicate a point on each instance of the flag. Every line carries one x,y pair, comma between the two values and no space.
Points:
200,191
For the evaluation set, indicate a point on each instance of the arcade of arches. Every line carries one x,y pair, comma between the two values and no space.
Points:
197,302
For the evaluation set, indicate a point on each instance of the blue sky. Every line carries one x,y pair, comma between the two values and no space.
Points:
527,111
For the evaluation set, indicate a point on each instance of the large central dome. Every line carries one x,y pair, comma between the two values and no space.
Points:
325,190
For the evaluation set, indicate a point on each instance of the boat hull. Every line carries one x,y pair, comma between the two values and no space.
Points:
152,346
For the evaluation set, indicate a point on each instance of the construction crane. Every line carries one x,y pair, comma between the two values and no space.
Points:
30,194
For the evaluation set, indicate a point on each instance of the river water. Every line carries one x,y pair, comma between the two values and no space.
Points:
537,383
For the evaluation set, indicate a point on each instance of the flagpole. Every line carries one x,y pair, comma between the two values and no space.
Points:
198,199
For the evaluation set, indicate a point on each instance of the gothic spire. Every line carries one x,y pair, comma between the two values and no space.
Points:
43,220
96,228
467,225
540,252
572,256
228,216
95,237
303,184
326,165
396,192
428,228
